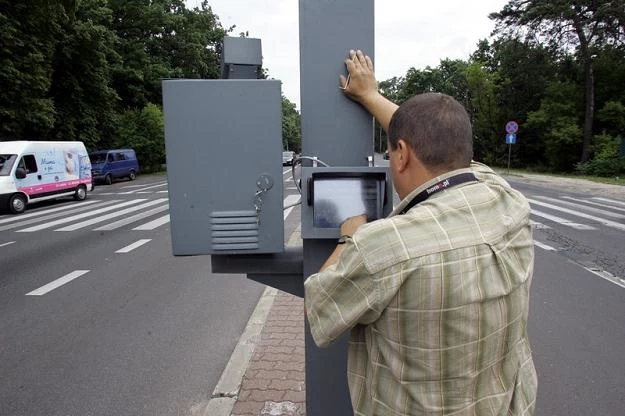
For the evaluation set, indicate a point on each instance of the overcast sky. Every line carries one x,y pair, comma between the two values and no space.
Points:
408,33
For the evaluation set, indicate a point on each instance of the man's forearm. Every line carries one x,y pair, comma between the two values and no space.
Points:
381,108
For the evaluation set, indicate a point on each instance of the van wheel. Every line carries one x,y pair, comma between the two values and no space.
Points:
108,179
81,193
17,203
132,176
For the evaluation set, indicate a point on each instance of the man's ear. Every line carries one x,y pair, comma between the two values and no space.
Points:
403,155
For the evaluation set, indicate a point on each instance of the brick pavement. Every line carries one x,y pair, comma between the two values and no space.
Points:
274,382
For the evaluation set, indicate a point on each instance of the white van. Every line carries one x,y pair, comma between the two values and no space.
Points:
32,171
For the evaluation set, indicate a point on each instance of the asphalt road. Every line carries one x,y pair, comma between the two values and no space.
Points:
140,332
136,332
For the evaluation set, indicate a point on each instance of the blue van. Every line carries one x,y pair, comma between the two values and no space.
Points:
107,165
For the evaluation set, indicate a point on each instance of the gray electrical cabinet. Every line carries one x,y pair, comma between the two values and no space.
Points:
223,140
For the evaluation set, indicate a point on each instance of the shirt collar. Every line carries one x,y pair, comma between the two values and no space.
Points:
399,208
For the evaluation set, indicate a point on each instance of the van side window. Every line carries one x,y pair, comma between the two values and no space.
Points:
120,156
29,163
110,157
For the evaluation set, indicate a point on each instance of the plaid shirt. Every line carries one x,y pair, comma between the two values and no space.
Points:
436,301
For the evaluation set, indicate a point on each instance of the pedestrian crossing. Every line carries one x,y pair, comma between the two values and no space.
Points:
590,214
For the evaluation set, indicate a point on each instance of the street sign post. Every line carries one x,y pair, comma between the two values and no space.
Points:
512,127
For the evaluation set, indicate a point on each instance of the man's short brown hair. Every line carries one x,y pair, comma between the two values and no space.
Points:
438,129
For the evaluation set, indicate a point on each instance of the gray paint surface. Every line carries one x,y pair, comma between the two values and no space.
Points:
339,133
221,137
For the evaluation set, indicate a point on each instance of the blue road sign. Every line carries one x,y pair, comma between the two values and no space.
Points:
510,138
512,127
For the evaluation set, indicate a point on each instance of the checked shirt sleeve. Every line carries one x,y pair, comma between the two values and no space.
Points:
341,296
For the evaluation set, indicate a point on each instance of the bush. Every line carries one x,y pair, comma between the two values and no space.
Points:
606,168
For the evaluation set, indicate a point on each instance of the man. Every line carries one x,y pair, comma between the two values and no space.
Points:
436,295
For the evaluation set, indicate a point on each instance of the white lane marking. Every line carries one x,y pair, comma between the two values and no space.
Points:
131,219
544,246
44,212
7,244
607,276
562,221
584,207
605,222
143,189
603,204
290,200
286,171
162,192
115,214
611,201
134,245
153,224
539,225
57,283
144,184
80,216
107,193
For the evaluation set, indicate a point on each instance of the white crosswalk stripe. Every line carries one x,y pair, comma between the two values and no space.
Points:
583,207
153,224
607,223
597,204
80,216
134,218
143,214
610,201
115,214
35,214
562,221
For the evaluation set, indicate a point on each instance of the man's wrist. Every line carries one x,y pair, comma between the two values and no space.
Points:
343,239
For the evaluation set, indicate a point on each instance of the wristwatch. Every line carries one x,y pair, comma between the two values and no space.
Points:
343,239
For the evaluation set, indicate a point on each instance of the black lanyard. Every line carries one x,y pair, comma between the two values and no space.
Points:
438,187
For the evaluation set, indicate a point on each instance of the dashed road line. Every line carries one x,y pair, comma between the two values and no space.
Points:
57,283
544,246
133,246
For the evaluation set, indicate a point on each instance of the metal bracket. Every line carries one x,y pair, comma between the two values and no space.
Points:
284,271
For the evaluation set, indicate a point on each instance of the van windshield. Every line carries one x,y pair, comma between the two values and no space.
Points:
6,163
99,157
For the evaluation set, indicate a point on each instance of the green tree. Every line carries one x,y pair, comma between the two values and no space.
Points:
162,39
557,121
85,103
582,25
143,130
291,126
27,44
485,111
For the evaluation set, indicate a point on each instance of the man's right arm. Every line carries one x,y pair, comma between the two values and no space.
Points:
361,86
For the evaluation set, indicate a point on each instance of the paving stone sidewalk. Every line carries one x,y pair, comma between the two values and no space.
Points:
273,383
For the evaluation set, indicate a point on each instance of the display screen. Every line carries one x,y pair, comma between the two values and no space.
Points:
336,199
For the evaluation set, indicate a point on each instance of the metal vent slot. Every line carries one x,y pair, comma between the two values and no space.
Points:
234,230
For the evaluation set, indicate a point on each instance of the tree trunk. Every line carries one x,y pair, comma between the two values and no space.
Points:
589,92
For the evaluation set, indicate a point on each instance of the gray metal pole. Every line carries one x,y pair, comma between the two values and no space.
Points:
338,132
